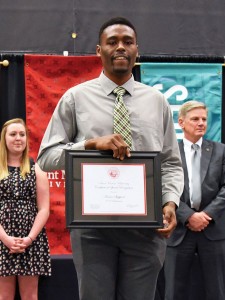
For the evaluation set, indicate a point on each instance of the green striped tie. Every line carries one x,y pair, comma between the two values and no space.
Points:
121,117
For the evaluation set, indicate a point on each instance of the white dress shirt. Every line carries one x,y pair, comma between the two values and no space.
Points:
189,152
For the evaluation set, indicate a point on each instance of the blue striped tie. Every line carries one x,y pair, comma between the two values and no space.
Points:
196,177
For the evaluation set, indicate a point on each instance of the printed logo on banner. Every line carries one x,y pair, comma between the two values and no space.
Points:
181,82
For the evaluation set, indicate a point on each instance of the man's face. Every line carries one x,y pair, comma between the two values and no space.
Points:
118,51
194,124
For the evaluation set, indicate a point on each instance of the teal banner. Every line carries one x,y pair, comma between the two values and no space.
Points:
181,82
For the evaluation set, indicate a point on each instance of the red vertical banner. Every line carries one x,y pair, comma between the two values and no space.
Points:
47,78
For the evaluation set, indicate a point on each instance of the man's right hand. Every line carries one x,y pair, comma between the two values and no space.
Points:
198,221
112,142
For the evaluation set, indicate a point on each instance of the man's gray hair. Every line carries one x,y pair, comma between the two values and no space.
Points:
189,105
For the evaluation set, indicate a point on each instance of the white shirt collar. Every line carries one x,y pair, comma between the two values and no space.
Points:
188,143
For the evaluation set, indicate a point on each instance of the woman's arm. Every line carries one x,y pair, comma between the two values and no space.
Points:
43,203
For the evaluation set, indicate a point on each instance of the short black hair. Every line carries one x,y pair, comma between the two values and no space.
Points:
114,21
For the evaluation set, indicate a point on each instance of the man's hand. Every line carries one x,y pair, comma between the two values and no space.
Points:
198,221
169,219
112,142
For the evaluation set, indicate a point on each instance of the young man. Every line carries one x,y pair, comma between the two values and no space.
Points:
117,263
200,227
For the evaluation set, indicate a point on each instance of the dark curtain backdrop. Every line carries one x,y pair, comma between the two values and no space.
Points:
12,91
167,27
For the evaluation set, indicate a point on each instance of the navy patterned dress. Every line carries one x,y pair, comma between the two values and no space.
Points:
18,209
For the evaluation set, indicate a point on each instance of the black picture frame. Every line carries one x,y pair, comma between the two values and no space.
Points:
73,187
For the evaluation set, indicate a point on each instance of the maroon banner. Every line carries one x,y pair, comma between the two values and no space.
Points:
47,77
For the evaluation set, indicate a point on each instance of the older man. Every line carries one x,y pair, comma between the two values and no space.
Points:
201,214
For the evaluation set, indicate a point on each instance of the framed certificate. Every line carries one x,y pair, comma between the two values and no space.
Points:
102,191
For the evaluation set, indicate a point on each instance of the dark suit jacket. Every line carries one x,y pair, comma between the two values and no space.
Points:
213,193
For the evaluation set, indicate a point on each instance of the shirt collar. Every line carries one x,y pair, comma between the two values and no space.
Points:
188,143
108,85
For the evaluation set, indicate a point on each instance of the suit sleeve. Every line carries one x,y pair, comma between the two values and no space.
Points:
215,183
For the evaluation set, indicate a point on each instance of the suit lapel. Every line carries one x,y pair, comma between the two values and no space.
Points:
184,165
207,148
205,158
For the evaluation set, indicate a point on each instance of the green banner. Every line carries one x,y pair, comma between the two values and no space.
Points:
181,82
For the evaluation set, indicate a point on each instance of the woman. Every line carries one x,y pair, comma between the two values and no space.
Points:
24,211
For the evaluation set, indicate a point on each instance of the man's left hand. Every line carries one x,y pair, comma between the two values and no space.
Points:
169,219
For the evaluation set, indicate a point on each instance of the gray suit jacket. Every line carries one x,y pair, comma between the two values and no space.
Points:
213,193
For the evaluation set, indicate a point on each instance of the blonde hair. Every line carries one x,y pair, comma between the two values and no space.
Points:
189,105
25,161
